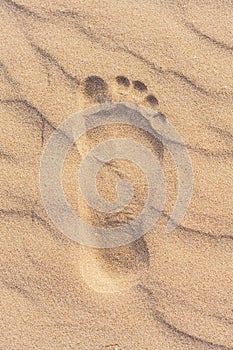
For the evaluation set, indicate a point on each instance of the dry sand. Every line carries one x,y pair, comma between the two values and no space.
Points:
162,291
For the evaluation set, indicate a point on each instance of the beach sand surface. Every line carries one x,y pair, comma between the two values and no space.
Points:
163,291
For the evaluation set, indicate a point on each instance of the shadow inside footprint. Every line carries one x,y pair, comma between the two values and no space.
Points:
116,269
123,80
96,88
126,259
152,100
139,85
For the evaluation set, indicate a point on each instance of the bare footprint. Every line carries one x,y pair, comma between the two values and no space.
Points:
120,90
115,269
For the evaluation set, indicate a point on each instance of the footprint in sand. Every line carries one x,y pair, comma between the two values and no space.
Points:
115,269
122,90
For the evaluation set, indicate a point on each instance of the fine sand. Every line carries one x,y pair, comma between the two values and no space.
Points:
162,291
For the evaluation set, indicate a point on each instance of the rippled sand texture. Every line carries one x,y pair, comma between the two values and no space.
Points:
162,291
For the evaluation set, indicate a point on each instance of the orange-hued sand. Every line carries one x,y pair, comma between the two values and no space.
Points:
162,291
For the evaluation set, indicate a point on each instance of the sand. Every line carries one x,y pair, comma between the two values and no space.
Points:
162,291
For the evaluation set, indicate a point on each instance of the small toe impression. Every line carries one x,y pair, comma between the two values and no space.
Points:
96,88
139,85
152,100
123,80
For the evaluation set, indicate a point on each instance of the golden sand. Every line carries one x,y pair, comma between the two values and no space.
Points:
162,291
